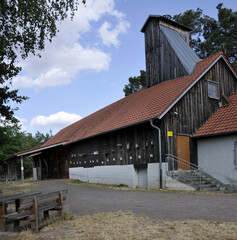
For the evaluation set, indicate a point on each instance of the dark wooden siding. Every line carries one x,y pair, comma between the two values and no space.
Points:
138,144
161,61
195,108
134,145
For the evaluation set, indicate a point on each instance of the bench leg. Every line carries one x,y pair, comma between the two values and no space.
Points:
16,225
35,225
46,214
60,213
2,225
2,221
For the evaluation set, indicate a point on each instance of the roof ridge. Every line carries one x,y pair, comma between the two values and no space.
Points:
135,108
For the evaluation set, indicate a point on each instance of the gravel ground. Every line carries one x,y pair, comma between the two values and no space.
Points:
83,200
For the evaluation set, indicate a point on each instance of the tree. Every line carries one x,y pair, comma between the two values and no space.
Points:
24,28
193,20
210,35
135,83
207,37
13,140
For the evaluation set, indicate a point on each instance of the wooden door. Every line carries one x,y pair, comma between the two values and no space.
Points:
183,152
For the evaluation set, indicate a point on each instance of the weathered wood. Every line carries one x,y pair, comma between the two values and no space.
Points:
193,109
161,61
30,207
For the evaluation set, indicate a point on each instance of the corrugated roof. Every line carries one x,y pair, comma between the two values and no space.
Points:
223,121
184,52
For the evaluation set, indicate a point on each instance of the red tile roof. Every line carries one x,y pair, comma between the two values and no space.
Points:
223,121
135,108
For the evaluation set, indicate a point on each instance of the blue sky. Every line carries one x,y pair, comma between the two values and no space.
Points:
87,65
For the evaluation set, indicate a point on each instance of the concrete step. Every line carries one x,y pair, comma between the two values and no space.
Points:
192,178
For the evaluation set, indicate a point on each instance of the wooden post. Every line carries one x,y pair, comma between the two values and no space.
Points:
22,170
40,169
35,211
2,221
15,172
60,204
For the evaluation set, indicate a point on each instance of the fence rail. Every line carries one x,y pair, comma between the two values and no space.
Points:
174,162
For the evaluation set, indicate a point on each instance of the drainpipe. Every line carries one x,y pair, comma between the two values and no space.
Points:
159,143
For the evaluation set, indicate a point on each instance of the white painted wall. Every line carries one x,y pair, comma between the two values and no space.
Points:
153,174
216,157
117,174
121,174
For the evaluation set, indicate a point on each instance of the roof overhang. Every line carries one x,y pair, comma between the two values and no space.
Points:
215,134
27,153
35,154
221,56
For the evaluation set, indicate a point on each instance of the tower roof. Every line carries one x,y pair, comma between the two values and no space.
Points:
184,52
165,19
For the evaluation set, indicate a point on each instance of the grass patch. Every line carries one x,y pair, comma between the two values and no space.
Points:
15,188
126,188
126,225
99,185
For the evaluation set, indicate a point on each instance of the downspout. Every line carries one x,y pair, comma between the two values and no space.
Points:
159,143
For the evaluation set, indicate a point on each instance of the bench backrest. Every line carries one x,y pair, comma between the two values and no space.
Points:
26,204
57,197
53,198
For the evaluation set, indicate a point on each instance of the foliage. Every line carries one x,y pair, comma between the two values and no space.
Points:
25,26
12,140
210,35
193,20
207,36
135,83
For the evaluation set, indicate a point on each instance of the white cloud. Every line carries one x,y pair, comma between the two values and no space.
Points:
22,122
66,55
110,37
54,77
57,120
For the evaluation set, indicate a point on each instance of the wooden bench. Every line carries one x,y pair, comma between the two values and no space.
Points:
9,200
35,209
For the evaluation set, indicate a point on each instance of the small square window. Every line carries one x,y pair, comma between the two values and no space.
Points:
213,89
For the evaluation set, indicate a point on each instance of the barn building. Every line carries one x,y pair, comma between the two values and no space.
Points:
126,142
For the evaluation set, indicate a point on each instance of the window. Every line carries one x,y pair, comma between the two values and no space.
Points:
213,89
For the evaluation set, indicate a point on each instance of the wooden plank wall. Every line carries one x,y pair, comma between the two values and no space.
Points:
161,61
134,145
195,108
139,145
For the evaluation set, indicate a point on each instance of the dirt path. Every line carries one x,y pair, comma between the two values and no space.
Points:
168,206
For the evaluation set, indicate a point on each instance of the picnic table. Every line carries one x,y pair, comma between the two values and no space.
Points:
15,199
